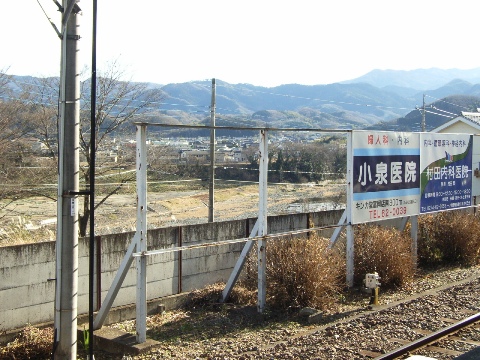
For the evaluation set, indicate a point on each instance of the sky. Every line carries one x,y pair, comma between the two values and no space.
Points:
259,42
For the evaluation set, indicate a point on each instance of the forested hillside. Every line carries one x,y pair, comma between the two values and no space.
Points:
360,103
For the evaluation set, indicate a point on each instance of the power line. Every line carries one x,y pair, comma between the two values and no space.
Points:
206,108
318,99
446,112
254,91
50,20
447,116
447,102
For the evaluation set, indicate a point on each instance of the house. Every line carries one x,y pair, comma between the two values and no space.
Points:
239,156
472,115
199,156
465,124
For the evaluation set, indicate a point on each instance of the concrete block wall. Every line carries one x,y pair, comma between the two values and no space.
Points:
27,288
26,293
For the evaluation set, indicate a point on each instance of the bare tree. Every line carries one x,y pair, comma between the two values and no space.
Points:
4,80
15,124
39,102
118,104
8,110
42,96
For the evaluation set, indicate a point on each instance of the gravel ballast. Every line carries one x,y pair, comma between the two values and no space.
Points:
226,331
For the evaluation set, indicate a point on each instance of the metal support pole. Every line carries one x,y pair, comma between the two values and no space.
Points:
350,255
211,190
262,219
68,182
98,273
180,259
239,265
141,261
350,241
374,297
116,285
414,236
336,232
139,244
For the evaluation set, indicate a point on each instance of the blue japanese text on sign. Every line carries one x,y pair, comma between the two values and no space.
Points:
446,178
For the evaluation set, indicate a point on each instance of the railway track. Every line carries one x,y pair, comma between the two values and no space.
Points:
360,333
444,337
441,324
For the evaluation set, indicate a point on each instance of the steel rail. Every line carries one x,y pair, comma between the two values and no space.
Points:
417,344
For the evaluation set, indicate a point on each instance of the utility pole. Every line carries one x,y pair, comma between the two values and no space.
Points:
423,114
211,188
93,146
68,167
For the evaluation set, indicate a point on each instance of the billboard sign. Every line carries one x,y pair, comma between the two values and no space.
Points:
397,174
446,178
385,175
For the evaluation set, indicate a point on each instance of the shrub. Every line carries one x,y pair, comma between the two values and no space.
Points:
386,251
449,237
300,272
32,343
211,294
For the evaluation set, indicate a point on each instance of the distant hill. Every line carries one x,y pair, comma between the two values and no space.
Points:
436,113
366,101
353,105
455,87
380,98
419,79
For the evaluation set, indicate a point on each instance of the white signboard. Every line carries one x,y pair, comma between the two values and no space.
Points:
385,176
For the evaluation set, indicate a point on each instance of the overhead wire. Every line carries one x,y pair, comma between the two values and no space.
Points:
50,20
202,108
318,99
447,116
446,112
447,102
225,85
250,90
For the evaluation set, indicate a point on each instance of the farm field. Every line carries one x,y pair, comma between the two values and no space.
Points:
175,205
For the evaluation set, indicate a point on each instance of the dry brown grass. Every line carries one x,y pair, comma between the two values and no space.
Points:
171,204
449,237
386,251
15,234
300,272
32,343
211,294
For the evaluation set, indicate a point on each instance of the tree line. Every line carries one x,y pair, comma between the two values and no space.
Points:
291,162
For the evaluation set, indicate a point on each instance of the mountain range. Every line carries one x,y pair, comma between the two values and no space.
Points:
376,100
386,99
